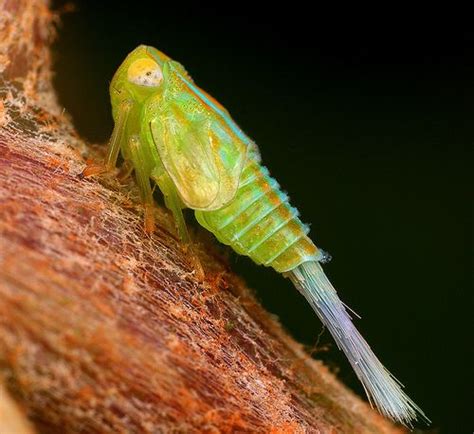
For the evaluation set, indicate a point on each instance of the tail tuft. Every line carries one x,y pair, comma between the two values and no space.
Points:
382,388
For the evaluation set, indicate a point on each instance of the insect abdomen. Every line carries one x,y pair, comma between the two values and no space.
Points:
260,223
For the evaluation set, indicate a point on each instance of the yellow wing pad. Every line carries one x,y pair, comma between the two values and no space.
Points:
204,170
202,149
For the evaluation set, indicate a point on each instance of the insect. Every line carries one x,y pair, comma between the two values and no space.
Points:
172,133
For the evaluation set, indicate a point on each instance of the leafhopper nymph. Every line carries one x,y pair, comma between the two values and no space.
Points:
175,135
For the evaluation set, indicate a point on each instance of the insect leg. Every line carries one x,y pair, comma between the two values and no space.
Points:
172,200
114,143
174,204
126,170
142,175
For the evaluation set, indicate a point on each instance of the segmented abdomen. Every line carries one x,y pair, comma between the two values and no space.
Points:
261,224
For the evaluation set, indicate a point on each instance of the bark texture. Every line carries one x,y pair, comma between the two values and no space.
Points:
106,329
12,418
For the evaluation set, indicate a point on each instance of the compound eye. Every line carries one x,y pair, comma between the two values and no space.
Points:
145,72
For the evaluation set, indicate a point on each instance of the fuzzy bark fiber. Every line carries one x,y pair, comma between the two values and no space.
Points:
106,329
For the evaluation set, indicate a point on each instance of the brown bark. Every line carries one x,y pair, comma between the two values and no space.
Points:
12,419
106,329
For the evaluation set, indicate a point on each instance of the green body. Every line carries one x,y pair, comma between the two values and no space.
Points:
260,223
174,133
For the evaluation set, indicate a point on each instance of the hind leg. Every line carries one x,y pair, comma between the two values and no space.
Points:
174,204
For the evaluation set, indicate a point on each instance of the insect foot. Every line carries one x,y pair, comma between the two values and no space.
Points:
93,169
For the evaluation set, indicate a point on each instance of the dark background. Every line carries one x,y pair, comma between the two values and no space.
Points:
363,116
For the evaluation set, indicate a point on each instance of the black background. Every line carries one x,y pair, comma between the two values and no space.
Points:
365,118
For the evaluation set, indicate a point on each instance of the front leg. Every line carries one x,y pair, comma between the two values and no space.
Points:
115,141
142,167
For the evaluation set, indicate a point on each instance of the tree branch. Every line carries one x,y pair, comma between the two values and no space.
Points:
106,329
12,419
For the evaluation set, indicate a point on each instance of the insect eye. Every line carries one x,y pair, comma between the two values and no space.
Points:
145,72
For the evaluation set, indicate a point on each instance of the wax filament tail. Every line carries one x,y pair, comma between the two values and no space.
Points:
382,388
